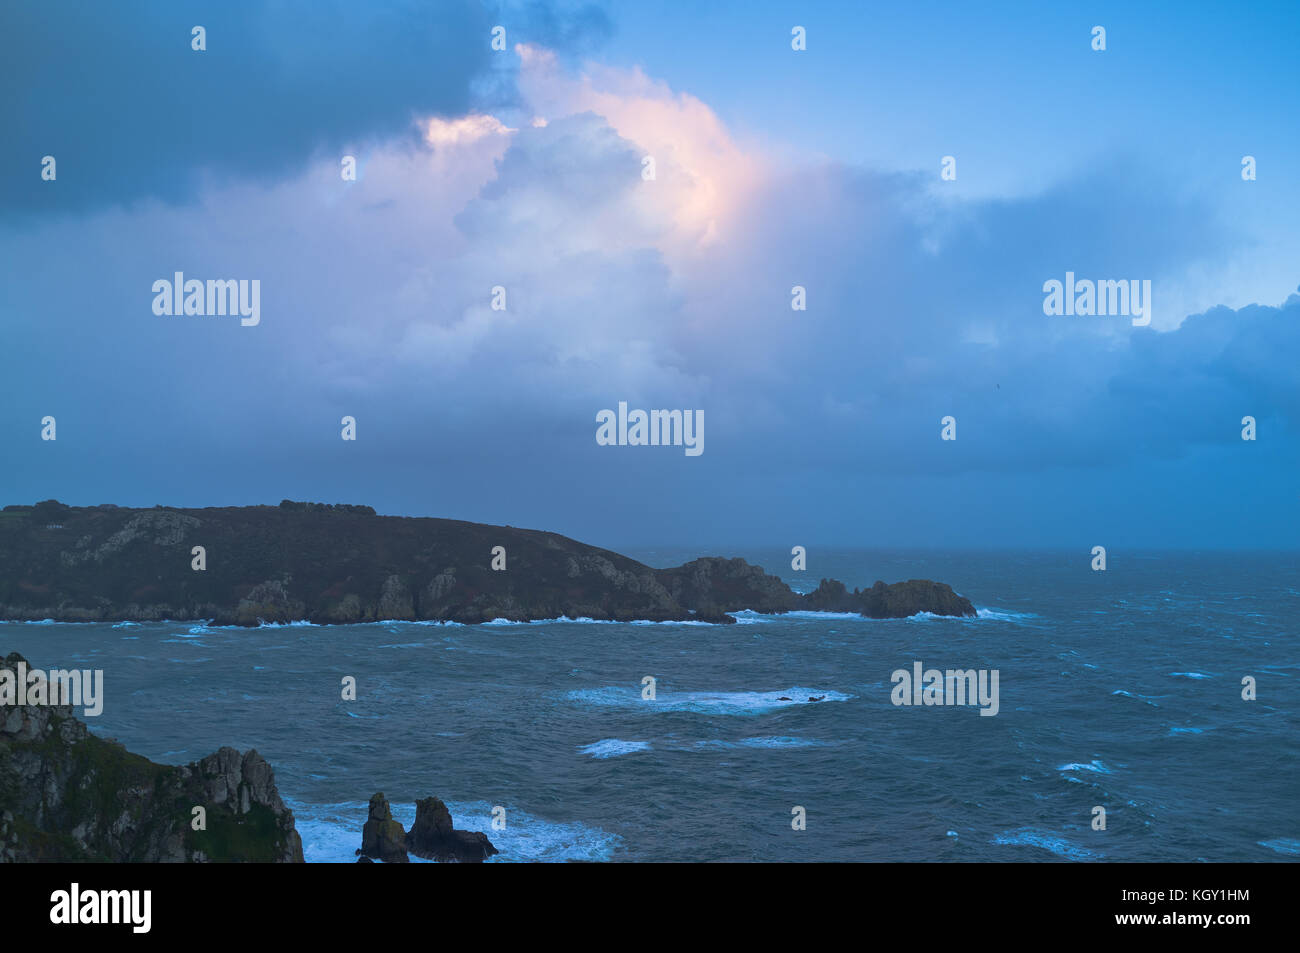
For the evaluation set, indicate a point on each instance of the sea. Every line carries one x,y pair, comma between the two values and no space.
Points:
1147,712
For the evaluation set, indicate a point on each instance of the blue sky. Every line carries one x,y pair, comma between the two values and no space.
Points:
523,169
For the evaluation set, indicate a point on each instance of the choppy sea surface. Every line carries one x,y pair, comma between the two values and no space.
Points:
1119,689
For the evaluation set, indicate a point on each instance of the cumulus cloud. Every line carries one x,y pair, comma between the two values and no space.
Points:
669,293
463,130
701,172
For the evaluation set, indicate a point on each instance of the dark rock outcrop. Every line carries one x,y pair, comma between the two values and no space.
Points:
433,837
382,838
344,564
68,795
882,601
713,585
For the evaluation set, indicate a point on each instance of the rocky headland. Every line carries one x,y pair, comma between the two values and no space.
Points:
344,564
68,795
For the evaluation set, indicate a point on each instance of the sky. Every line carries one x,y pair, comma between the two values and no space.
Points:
527,169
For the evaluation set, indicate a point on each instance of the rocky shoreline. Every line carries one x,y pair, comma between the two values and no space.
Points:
67,795
340,564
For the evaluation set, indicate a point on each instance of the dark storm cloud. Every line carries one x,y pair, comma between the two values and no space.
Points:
115,93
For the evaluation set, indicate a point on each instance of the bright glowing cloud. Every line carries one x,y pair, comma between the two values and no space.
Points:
464,130
699,168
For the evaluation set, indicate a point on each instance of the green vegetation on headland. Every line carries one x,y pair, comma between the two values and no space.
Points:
67,795
344,564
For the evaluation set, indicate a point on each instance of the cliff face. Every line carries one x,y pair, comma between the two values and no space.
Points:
713,585
345,564
67,795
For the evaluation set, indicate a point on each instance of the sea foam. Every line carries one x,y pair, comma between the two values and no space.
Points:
331,833
613,747
708,703
1032,837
